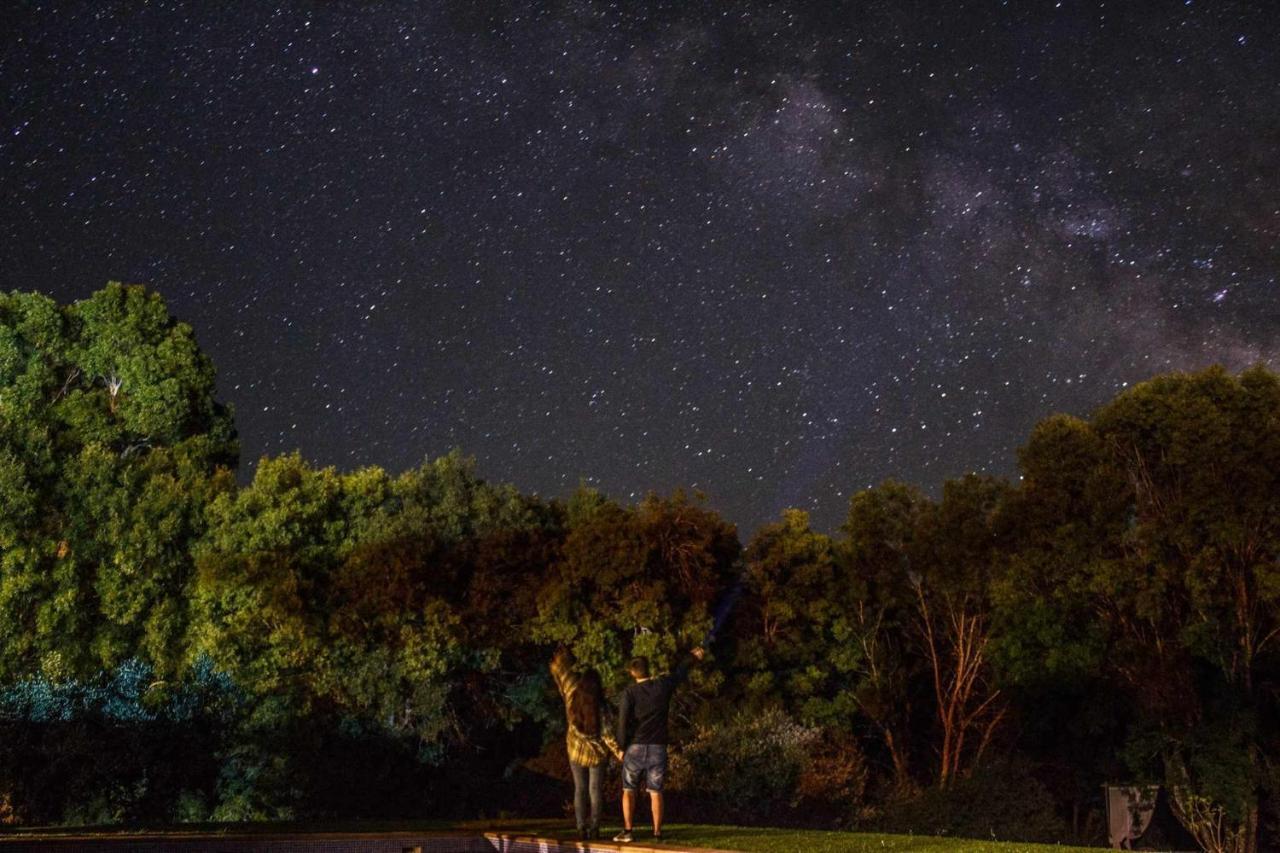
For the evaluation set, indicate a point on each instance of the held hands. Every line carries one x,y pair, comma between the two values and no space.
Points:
698,652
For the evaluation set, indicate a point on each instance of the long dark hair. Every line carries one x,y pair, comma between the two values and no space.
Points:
584,709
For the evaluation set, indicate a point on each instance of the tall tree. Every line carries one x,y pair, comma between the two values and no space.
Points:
639,580
111,441
1172,490
875,650
782,627
952,588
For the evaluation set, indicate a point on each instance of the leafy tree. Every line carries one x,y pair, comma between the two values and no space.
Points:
783,625
1171,495
952,615
917,627
353,595
875,654
635,581
110,443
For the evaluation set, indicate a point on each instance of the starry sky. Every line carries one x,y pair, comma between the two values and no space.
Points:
777,252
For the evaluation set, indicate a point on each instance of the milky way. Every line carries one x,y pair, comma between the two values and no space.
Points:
773,252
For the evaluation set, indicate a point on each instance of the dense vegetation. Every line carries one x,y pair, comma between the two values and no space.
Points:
174,646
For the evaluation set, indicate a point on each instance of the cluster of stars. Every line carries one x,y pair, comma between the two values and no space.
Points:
774,252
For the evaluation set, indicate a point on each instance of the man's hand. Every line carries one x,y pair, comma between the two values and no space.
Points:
618,754
698,653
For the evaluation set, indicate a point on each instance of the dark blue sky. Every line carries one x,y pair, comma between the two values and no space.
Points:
773,253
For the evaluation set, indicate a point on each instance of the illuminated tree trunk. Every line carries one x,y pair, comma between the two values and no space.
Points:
968,708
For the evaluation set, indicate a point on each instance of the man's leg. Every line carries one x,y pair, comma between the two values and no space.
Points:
632,773
628,807
655,803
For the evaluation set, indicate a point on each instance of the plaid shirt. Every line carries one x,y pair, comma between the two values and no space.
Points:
584,750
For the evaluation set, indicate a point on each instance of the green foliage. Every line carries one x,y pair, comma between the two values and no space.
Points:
783,626
1149,552
635,581
748,768
353,592
1001,801
111,442
1118,610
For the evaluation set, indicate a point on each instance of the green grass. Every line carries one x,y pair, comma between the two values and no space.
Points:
765,840
688,836
756,840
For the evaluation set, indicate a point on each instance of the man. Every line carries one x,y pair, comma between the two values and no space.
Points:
642,734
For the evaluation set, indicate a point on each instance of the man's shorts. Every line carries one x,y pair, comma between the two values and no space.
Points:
646,761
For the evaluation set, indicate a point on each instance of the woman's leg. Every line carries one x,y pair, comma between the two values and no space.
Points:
580,776
597,787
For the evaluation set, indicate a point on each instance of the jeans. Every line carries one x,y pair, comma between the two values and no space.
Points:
581,776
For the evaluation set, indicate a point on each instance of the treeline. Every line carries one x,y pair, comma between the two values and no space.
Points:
174,646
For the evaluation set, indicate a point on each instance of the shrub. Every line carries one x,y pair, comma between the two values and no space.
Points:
748,769
832,787
1002,801
120,747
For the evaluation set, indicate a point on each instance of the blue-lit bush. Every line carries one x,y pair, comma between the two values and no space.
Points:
122,747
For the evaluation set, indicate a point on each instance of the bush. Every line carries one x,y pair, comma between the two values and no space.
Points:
118,748
1002,801
832,788
761,768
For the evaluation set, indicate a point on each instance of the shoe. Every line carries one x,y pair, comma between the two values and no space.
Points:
584,834
624,836
593,834
658,837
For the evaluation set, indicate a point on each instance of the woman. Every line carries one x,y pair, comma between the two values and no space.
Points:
588,739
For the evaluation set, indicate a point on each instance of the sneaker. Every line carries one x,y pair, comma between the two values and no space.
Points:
624,836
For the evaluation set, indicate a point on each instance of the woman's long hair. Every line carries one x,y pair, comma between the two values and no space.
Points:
584,709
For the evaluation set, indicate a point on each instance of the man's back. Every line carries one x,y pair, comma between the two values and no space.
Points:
643,711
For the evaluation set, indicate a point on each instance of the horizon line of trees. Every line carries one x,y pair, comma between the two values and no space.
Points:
176,646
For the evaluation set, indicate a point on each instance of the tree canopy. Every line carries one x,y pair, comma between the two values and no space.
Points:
1112,614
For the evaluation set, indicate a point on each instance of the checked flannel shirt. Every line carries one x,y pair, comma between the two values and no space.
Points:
584,750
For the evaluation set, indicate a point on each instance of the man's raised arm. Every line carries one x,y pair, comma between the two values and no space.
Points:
696,654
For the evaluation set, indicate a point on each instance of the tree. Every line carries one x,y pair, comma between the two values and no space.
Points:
952,598
1172,493
874,651
110,443
917,627
635,581
782,627
352,594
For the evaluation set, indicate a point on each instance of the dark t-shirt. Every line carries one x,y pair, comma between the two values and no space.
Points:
642,712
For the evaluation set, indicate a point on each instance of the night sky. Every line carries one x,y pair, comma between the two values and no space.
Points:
776,252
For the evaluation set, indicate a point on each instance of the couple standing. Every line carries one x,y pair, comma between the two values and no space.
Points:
641,742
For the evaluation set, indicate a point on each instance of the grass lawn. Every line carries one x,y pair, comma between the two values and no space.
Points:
678,836
755,840
764,840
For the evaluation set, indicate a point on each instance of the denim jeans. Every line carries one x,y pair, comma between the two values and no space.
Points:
582,776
